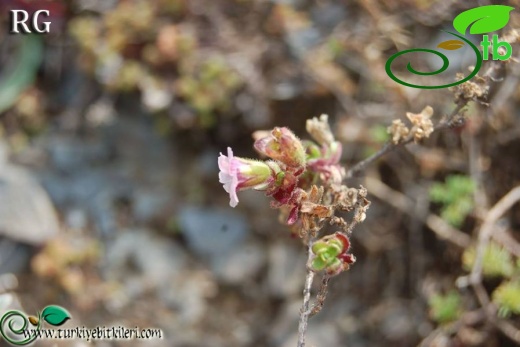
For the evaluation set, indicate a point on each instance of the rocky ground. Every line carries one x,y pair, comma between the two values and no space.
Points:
110,204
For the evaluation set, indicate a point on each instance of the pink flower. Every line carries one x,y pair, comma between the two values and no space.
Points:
239,174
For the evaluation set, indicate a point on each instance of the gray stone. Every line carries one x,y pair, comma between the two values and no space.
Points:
151,202
14,256
140,253
397,324
321,334
287,269
240,265
212,233
302,40
71,154
327,15
26,212
285,323
145,263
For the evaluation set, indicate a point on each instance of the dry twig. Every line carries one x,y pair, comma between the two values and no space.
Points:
487,228
406,205
453,120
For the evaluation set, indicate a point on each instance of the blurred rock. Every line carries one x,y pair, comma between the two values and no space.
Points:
8,282
285,323
5,301
285,90
302,40
322,334
70,154
140,254
284,329
212,233
146,263
91,191
393,320
286,272
397,325
327,15
14,256
239,265
9,301
125,160
293,3
206,163
149,203
186,294
76,219
26,212
220,237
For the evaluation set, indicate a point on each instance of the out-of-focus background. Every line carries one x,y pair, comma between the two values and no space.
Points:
110,204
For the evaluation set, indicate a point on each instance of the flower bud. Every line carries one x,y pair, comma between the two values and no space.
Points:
282,145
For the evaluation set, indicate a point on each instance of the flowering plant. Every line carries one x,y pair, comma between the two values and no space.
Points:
305,181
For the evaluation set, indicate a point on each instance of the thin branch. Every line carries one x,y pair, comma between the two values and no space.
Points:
321,296
506,240
467,319
304,312
450,121
508,329
487,229
406,205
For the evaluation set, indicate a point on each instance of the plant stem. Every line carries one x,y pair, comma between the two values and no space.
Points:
304,312
450,121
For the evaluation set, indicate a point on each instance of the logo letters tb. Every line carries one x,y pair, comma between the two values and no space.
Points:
19,20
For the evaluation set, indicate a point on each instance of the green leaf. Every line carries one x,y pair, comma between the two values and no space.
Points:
319,247
451,45
336,247
328,255
483,19
318,264
55,315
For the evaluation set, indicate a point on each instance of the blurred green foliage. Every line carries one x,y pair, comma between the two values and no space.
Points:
497,262
207,86
445,308
507,297
455,196
128,49
379,134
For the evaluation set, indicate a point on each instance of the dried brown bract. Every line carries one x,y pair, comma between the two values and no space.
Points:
476,89
398,130
422,124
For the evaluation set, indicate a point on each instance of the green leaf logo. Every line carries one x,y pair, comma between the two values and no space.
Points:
55,315
451,45
483,19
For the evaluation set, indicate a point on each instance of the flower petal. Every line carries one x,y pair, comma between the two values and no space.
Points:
228,175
